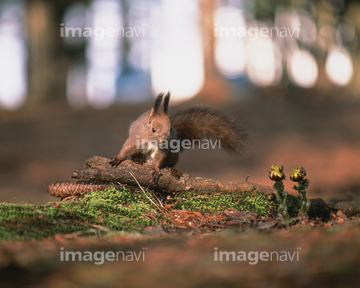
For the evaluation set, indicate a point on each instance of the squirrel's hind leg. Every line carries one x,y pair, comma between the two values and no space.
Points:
138,159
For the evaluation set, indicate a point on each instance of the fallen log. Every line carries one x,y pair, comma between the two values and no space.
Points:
98,169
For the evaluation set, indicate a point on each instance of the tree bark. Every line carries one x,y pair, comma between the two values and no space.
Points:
98,174
98,169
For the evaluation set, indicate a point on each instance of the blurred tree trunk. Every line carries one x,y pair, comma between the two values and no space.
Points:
126,43
46,72
215,88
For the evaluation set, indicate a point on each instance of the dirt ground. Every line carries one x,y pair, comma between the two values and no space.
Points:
315,258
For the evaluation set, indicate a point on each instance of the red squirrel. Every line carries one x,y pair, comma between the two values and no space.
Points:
152,135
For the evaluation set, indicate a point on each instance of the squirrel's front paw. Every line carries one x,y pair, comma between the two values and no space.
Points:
115,161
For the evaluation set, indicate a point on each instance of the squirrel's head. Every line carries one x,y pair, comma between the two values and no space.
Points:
159,122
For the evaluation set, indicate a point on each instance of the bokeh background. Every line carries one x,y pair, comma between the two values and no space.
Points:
75,74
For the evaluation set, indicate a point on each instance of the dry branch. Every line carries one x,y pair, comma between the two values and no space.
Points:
98,169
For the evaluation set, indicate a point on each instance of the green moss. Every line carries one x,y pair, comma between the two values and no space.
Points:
242,201
114,210
26,221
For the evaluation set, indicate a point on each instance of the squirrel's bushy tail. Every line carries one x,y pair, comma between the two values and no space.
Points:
205,122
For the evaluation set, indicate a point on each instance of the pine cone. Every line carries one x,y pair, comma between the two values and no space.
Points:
74,188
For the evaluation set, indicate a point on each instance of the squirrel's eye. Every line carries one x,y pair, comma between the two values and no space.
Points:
153,130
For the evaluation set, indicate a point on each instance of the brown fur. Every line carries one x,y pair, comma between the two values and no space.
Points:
206,122
191,124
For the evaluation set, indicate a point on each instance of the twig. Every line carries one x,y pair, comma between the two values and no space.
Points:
142,189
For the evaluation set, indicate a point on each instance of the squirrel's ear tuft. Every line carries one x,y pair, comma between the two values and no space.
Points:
158,102
166,102
155,109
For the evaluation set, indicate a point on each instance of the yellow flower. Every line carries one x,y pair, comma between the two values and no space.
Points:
277,168
276,173
298,174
